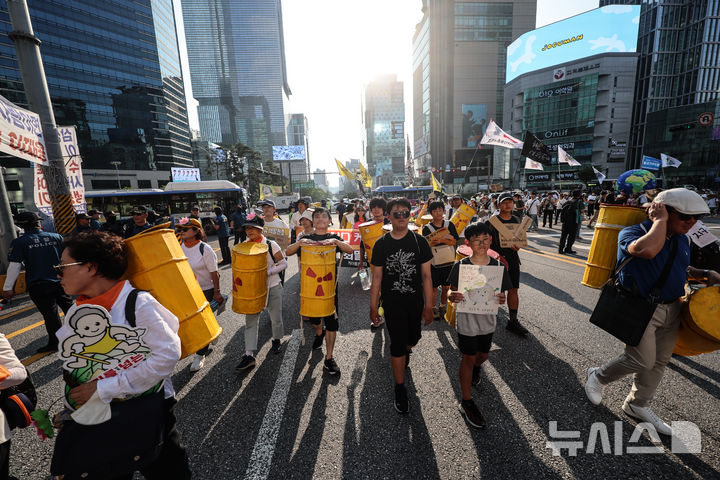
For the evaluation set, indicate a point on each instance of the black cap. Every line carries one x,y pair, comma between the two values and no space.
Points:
83,216
139,209
27,217
505,196
254,220
94,212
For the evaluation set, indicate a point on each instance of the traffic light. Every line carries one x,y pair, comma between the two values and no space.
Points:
682,126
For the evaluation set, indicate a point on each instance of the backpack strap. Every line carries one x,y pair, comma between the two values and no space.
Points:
202,248
130,302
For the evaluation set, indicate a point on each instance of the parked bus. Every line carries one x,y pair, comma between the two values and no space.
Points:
175,200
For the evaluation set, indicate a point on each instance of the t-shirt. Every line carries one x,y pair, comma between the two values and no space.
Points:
39,251
238,220
510,255
401,261
202,265
472,324
132,228
319,237
222,222
532,206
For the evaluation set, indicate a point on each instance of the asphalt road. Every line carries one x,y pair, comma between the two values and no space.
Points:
287,419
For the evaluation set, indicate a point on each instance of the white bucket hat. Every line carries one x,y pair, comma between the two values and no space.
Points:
683,200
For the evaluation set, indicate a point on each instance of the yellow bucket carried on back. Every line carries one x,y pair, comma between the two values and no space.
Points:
370,232
450,313
249,271
317,280
462,217
463,251
700,323
603,250
157,264
424,220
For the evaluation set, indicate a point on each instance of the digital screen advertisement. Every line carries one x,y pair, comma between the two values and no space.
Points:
613,28
474,124
288,153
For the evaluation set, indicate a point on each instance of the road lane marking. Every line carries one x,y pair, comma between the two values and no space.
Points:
553,258
24,309
554,255
262,454
23,330
34,358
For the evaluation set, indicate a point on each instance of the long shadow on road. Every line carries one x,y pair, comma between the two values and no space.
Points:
553,292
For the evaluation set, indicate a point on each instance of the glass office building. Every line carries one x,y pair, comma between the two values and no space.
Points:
238,71
113,71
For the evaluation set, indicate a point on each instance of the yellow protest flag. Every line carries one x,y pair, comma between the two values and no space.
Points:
344,171
435,184
365,176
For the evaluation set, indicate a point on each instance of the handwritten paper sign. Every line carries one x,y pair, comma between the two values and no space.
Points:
21,133
700,235
479,285
279,234
435,237
73,170
512,234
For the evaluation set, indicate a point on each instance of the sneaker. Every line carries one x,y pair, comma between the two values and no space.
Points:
476,376
197,363
47,348
331,366
401,399
472,414
645,414
593,387
276,347
571,252
436,313
247,361
561,252
515,327
317,343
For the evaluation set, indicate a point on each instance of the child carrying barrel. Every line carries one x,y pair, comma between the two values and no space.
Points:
321,222
254,231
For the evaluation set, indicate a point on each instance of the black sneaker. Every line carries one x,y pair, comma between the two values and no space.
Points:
401,399
47,348
476,376
247,361
515,327
317,343
331,366
571,252
472,414
276,347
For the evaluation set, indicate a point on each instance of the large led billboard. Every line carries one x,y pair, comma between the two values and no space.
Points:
288,153
607,29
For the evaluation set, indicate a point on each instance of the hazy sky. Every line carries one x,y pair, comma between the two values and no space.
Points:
334,47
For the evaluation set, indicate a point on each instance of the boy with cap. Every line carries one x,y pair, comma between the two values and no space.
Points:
650,245
40,253
505,207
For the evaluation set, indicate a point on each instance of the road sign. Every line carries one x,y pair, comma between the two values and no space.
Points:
303,185
705,119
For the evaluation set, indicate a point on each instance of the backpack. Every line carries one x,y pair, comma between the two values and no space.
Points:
281,274
569,212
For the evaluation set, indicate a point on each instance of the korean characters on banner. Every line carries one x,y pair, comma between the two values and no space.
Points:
351,237
21,133
73,169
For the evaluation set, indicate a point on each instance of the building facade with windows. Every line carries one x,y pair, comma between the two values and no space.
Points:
383,130
114,73
236,54
297,134
459,61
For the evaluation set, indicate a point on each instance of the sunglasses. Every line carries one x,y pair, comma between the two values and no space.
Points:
185,229
401,214
137,214
59,268
684,216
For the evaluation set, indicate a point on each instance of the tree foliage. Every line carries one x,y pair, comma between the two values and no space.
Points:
587,175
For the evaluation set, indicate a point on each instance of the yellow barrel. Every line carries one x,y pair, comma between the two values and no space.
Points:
462,252
462,216
317,280
424,220
156,263
603,250
249,271
450,313
700,323
423,211
370,232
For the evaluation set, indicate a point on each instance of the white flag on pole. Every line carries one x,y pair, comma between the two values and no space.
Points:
564,157
668,161
600,176
495,135
533,165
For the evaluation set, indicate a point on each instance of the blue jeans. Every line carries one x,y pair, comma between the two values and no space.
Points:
534,217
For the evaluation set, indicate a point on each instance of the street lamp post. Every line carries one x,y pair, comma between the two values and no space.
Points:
117,172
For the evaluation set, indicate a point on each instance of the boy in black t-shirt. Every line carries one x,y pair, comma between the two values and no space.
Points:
440,273
321,221
401,274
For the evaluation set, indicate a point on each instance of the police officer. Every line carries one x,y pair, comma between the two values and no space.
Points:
83,223
94,219
112,225
139,222
40,252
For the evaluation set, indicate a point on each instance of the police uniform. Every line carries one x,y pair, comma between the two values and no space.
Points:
132,229
40,251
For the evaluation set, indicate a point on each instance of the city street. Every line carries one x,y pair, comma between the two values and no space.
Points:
287,419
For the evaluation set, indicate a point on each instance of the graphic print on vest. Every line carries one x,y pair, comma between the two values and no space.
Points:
98,349
402,265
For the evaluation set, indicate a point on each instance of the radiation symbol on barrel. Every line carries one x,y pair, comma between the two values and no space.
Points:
319,292
237,283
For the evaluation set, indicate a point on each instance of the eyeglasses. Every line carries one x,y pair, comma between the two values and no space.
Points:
59,268
401,214
684,216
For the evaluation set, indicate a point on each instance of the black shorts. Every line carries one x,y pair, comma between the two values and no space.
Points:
474,345
440,275
331,322
403,319
514,273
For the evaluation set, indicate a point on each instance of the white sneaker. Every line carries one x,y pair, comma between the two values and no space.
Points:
645,414
197,363
593,387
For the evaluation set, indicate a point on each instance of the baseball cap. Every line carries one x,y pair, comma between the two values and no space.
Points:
683,200
83,216
139,209
307,214
27,217
267,202
505,196
94,212
188,222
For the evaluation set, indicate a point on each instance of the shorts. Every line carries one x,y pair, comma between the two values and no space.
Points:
440,275
331,322
514,273
476,344
403,320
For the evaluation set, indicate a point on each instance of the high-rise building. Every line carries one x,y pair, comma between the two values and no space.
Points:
320,178
352,165
114,73
383,126
236,54
297,134
459,50
677,86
